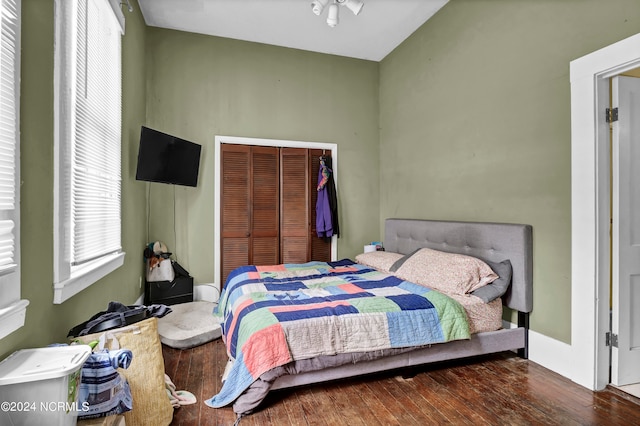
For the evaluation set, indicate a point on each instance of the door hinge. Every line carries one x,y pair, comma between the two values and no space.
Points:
611,339
611,115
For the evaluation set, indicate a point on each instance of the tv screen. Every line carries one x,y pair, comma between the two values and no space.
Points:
167,159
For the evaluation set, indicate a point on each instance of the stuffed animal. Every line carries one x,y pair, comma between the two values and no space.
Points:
154,262
155,253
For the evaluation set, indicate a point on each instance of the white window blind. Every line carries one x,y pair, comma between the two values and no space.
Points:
95,185
12,309
8,135
88,146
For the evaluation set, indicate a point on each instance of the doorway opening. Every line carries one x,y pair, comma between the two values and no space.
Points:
591,252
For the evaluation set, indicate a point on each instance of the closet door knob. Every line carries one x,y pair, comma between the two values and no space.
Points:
248,234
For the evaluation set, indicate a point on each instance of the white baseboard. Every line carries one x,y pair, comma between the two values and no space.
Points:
139,300
550,353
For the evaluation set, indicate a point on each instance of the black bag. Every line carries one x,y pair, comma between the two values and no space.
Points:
117,315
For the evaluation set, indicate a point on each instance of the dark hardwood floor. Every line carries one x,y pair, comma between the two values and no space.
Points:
493,390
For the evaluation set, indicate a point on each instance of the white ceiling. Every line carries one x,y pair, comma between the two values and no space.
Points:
376,31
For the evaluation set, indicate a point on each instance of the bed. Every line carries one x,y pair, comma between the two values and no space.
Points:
335,346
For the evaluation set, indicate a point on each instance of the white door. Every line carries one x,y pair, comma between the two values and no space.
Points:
625,358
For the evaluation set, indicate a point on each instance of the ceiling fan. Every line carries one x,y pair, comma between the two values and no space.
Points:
318,6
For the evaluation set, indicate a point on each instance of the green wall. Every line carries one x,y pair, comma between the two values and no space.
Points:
468,119
200,86
45,322
475,124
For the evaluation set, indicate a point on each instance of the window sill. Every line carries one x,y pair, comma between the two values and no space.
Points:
12,317
85,276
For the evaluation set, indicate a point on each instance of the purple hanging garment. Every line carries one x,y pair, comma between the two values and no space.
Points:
324,225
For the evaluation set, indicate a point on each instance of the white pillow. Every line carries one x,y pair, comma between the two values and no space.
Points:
446,272
380,260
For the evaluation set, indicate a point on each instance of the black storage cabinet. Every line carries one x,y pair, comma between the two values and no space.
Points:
180,290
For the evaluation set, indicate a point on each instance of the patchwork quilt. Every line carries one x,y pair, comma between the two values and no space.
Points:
273,315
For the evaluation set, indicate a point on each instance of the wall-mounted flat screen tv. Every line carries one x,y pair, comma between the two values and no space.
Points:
167,159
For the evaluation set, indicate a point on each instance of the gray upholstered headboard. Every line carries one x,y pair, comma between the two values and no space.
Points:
491,241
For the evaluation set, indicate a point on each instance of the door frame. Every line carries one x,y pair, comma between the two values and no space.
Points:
238,140
590,251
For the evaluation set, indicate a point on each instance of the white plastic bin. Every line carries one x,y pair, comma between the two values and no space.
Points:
40,386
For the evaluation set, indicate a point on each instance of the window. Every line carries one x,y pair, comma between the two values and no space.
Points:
87,144
12,309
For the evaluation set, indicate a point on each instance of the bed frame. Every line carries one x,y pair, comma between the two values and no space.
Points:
490,241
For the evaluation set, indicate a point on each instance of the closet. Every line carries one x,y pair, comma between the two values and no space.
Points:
267,205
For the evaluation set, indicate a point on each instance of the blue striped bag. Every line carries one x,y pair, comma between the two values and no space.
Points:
103,390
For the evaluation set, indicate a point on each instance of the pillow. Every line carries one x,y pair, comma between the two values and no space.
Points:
498,287
403,259
451,273
380,260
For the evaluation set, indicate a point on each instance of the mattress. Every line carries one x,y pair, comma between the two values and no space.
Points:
482,316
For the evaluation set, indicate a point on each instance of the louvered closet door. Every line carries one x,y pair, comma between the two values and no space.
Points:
265,196
268,198
249,206
319,248
235,206
294,205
